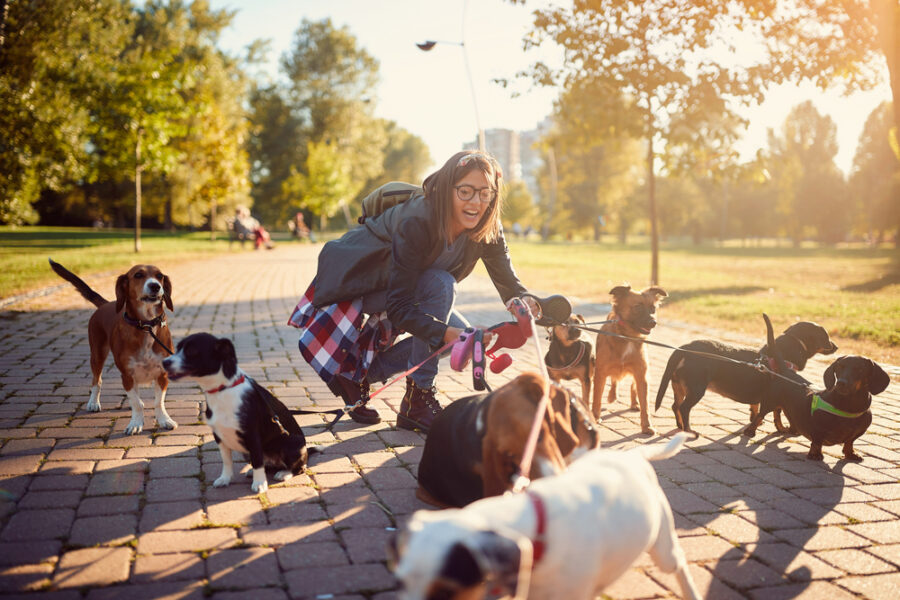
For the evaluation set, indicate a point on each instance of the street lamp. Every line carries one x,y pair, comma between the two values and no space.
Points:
427,46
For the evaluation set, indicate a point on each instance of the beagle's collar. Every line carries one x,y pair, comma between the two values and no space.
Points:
819,404
224,386
159,320
571,364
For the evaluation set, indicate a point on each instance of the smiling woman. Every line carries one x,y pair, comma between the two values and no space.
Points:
401,268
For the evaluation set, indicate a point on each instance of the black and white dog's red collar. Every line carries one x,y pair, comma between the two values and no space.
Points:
540,513
224,386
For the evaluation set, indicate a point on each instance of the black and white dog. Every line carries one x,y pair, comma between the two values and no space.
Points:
244,416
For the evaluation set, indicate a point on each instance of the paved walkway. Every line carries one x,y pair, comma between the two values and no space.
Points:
87,512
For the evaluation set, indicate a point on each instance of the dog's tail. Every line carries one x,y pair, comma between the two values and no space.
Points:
659,452
780,366
83,288
667,376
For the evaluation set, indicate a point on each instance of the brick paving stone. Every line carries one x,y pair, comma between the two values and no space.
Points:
358,515
106,530
744,574
50,499
92,567
735,529
58,482
707,585
16,553
284,494
108,505
162,516
43,524
159,542
256,594
792,562
171,489
168,567
366,544
297,512
880,533
243,568
303,554
888,552
109,483
278,534
822,538
311,582
815,590
634,584
236,512
855,562
876,587
24,577
401,502
20,464
174,467
181,590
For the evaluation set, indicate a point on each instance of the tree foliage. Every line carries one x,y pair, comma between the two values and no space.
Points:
875,180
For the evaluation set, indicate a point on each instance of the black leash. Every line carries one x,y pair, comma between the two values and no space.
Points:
148,327
337,412
759,366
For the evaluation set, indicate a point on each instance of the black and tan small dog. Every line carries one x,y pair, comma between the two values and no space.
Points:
569,357
692,374
839,414
633,315
244,416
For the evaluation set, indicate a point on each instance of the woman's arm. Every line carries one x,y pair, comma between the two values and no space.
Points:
495,256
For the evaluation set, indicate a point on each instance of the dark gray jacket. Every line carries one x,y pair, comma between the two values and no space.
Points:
390,252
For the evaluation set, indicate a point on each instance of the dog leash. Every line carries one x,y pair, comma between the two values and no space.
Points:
148,327
759,366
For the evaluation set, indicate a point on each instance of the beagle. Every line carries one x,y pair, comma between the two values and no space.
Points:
475,444
568,536
127,328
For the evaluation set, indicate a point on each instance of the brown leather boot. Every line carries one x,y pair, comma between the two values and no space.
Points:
352,392
418,408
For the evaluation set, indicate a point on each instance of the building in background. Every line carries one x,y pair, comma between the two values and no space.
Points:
515,152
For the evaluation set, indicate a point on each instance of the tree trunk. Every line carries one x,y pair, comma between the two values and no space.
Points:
654,233
137,192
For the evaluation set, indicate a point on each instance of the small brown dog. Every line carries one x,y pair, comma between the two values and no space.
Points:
475,444
124,327
569,357
632,316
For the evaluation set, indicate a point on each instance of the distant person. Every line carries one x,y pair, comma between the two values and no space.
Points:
517,229
245,225
298,227
401,268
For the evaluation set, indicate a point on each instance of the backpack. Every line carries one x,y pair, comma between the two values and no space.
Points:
386,196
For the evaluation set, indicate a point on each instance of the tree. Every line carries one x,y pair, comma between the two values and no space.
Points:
326,184
646,53
875,180
811,187
518,205
55,58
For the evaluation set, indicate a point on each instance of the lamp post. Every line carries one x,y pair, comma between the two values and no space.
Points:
427,45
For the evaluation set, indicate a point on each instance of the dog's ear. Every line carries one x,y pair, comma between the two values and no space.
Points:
829,376
167,288
579,318
504,559
620,290
121,291
878,379
460,566
560,415
225,351
658,292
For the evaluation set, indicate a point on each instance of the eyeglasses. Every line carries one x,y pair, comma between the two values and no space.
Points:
466,192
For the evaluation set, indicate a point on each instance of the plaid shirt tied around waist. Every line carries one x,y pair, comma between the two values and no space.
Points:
339,338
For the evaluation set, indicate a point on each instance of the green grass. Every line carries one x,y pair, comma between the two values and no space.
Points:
853,292
24,252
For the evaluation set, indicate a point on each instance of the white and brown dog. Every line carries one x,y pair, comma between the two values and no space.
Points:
125,327
567,536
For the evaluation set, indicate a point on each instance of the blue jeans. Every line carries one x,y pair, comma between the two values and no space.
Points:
435,295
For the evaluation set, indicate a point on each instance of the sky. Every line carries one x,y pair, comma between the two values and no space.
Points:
429,94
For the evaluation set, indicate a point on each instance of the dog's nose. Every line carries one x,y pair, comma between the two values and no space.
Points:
153,286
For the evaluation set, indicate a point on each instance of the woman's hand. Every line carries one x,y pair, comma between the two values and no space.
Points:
452,334
532,304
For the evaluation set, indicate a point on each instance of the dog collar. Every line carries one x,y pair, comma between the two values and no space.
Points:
819,404
540,512
159,320
236,382
799,341
774,366
571,364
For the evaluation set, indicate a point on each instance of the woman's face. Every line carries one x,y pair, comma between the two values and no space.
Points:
467,214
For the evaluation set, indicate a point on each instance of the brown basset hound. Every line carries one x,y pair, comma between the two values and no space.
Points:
475,444
125,327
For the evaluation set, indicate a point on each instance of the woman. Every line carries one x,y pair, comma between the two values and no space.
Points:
401,268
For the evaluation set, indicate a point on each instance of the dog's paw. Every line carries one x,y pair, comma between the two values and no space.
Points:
260,487
222,481
134,427
166,423
648,431
748,431
283,475
92,406
853,457
815,456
